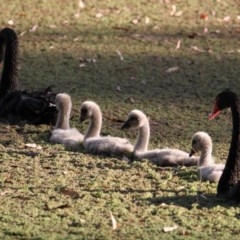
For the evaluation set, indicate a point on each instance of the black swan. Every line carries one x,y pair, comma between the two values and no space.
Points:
229,184
16,105
161,157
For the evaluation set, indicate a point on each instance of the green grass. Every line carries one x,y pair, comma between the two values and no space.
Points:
58,194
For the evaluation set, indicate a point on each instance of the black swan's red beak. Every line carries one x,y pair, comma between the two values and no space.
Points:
215,112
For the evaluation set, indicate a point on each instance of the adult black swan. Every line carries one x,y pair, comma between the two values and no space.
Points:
16,105
229,183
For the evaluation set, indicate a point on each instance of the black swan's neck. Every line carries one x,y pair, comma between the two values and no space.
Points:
231,173
9,47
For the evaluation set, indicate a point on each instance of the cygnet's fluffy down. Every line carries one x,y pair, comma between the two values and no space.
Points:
161,157
208,169
108,145
93,142
68,137
62,133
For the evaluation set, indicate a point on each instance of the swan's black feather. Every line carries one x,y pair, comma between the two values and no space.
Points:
229,183
36,107
23,106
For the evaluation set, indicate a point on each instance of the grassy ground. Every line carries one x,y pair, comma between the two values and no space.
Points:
170,63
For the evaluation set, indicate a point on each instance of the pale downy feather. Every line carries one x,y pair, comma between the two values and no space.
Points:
93,142
208,169
62,133
161,157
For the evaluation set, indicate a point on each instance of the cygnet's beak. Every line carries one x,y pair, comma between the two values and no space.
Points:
126,125
192,152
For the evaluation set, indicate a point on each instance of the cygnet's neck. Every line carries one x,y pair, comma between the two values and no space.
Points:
206,155
63,118
141,144
95,125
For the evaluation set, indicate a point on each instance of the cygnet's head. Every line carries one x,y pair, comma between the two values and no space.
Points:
135,119
63,102
87,110
200,141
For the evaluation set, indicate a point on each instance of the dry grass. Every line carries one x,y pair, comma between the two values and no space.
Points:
58,194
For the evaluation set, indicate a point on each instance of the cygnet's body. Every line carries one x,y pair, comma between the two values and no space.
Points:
160,157
209,171
62,133
93,142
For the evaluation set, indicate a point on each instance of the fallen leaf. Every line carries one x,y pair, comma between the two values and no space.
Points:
226,19
197,49
114,222
10,22
52,26
174,12
22,33
178,14
33,145
147,20
34,28
81,4
172,69
99,15
204,16
120,55
170,229
163,205
81,65
82,220
3,193
180,188
91,60
174,9
131,100
178,45
135,21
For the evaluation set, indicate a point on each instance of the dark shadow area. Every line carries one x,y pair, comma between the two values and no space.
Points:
143,75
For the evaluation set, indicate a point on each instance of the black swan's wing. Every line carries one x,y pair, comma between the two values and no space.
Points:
34,108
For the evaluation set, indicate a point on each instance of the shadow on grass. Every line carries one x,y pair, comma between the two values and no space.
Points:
143,74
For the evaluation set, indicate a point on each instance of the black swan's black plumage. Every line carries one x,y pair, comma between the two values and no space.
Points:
229,183
16,105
